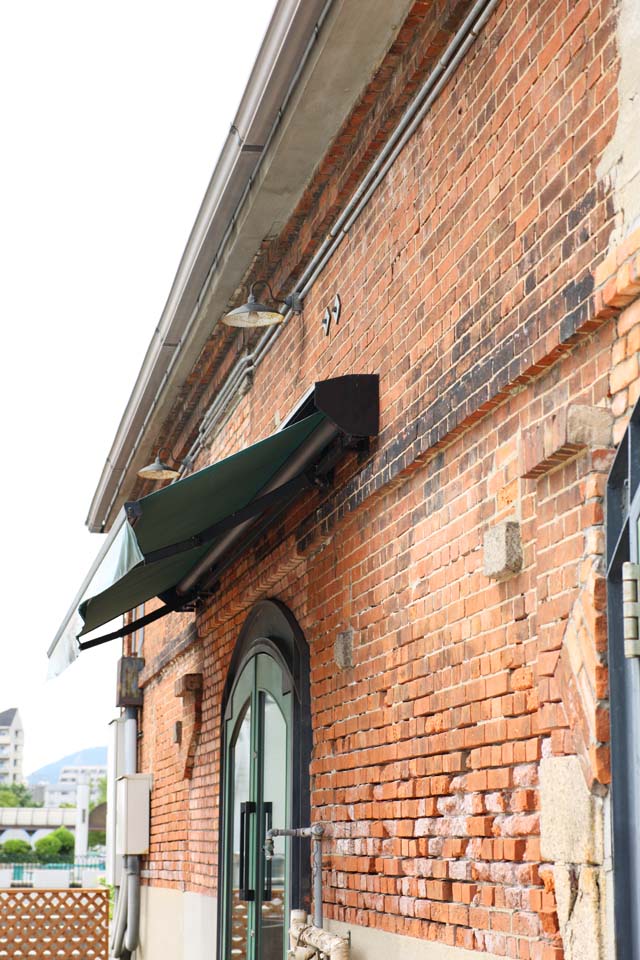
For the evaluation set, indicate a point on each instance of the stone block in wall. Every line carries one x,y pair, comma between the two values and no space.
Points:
572,839
578,899
343,650
562,435
502,548
570,816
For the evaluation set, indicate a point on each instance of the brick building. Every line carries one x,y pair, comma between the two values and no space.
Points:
412,650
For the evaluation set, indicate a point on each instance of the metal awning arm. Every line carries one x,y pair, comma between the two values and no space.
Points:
131,627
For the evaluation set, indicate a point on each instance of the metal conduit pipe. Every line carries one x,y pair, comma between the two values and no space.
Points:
133,905
409,122
412,117
315,834
307,941
120,920
240,371
325,433
413,114
217,409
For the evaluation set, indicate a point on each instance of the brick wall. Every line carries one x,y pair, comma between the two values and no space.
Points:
468,285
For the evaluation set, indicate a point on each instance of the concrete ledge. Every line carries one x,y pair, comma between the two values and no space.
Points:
370,944
177,924
563,435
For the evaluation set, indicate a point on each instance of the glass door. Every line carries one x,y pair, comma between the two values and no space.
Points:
257,787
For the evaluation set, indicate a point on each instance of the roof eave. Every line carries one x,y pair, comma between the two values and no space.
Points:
303,137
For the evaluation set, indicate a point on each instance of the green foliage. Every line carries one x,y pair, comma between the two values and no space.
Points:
16,795
112,894
48,849
23,796
67,843
15,851
97,838
102,793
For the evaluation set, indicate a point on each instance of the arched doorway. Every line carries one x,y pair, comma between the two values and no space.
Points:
265,744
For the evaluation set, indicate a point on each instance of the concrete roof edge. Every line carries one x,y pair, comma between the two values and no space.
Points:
291,26
343,60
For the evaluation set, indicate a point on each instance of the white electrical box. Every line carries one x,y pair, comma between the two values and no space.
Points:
133,791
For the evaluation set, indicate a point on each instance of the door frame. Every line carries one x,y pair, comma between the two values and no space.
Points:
622,511
271,628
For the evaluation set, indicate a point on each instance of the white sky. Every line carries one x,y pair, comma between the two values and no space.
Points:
112,116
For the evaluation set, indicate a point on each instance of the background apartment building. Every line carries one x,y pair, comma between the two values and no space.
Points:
65,790
11,746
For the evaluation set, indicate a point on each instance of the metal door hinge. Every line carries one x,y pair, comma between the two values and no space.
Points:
631,608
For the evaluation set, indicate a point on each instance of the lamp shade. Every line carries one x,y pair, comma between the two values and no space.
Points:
253,314
158,470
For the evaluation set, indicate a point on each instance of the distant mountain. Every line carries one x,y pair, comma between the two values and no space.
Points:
92,756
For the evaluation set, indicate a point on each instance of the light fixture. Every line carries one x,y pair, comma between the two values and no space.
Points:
159,470
255,314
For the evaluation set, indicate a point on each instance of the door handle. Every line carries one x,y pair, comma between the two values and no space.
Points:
244,892
268,861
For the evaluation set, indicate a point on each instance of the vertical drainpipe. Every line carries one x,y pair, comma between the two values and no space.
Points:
127,917
131,862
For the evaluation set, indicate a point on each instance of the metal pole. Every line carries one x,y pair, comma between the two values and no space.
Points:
315,833
316,871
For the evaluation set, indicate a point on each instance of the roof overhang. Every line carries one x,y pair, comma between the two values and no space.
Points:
316,59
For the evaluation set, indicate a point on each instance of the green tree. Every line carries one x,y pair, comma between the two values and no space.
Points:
16,851
97,838
102,793
23,795
16,795
67,843
48,848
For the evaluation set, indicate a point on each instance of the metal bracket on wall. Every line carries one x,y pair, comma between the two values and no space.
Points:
189,688
129,693
332,313
631,608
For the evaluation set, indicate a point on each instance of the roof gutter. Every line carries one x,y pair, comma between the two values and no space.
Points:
284,51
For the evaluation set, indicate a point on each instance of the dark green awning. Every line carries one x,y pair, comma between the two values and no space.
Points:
176,542
158,551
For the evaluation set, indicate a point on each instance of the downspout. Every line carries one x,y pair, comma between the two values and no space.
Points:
127,925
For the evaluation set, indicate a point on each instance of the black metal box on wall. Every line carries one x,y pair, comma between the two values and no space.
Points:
129,693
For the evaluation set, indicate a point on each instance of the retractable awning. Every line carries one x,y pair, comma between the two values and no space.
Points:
185,533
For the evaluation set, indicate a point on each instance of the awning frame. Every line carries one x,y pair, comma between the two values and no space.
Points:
350,406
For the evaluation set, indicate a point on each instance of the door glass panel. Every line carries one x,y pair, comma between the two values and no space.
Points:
274,758
241,783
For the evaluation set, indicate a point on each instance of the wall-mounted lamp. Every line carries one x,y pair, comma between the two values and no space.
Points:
255,314
159,469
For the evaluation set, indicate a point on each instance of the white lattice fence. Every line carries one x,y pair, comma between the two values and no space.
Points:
60,924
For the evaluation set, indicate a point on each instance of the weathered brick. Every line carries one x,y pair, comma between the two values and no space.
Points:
468,285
